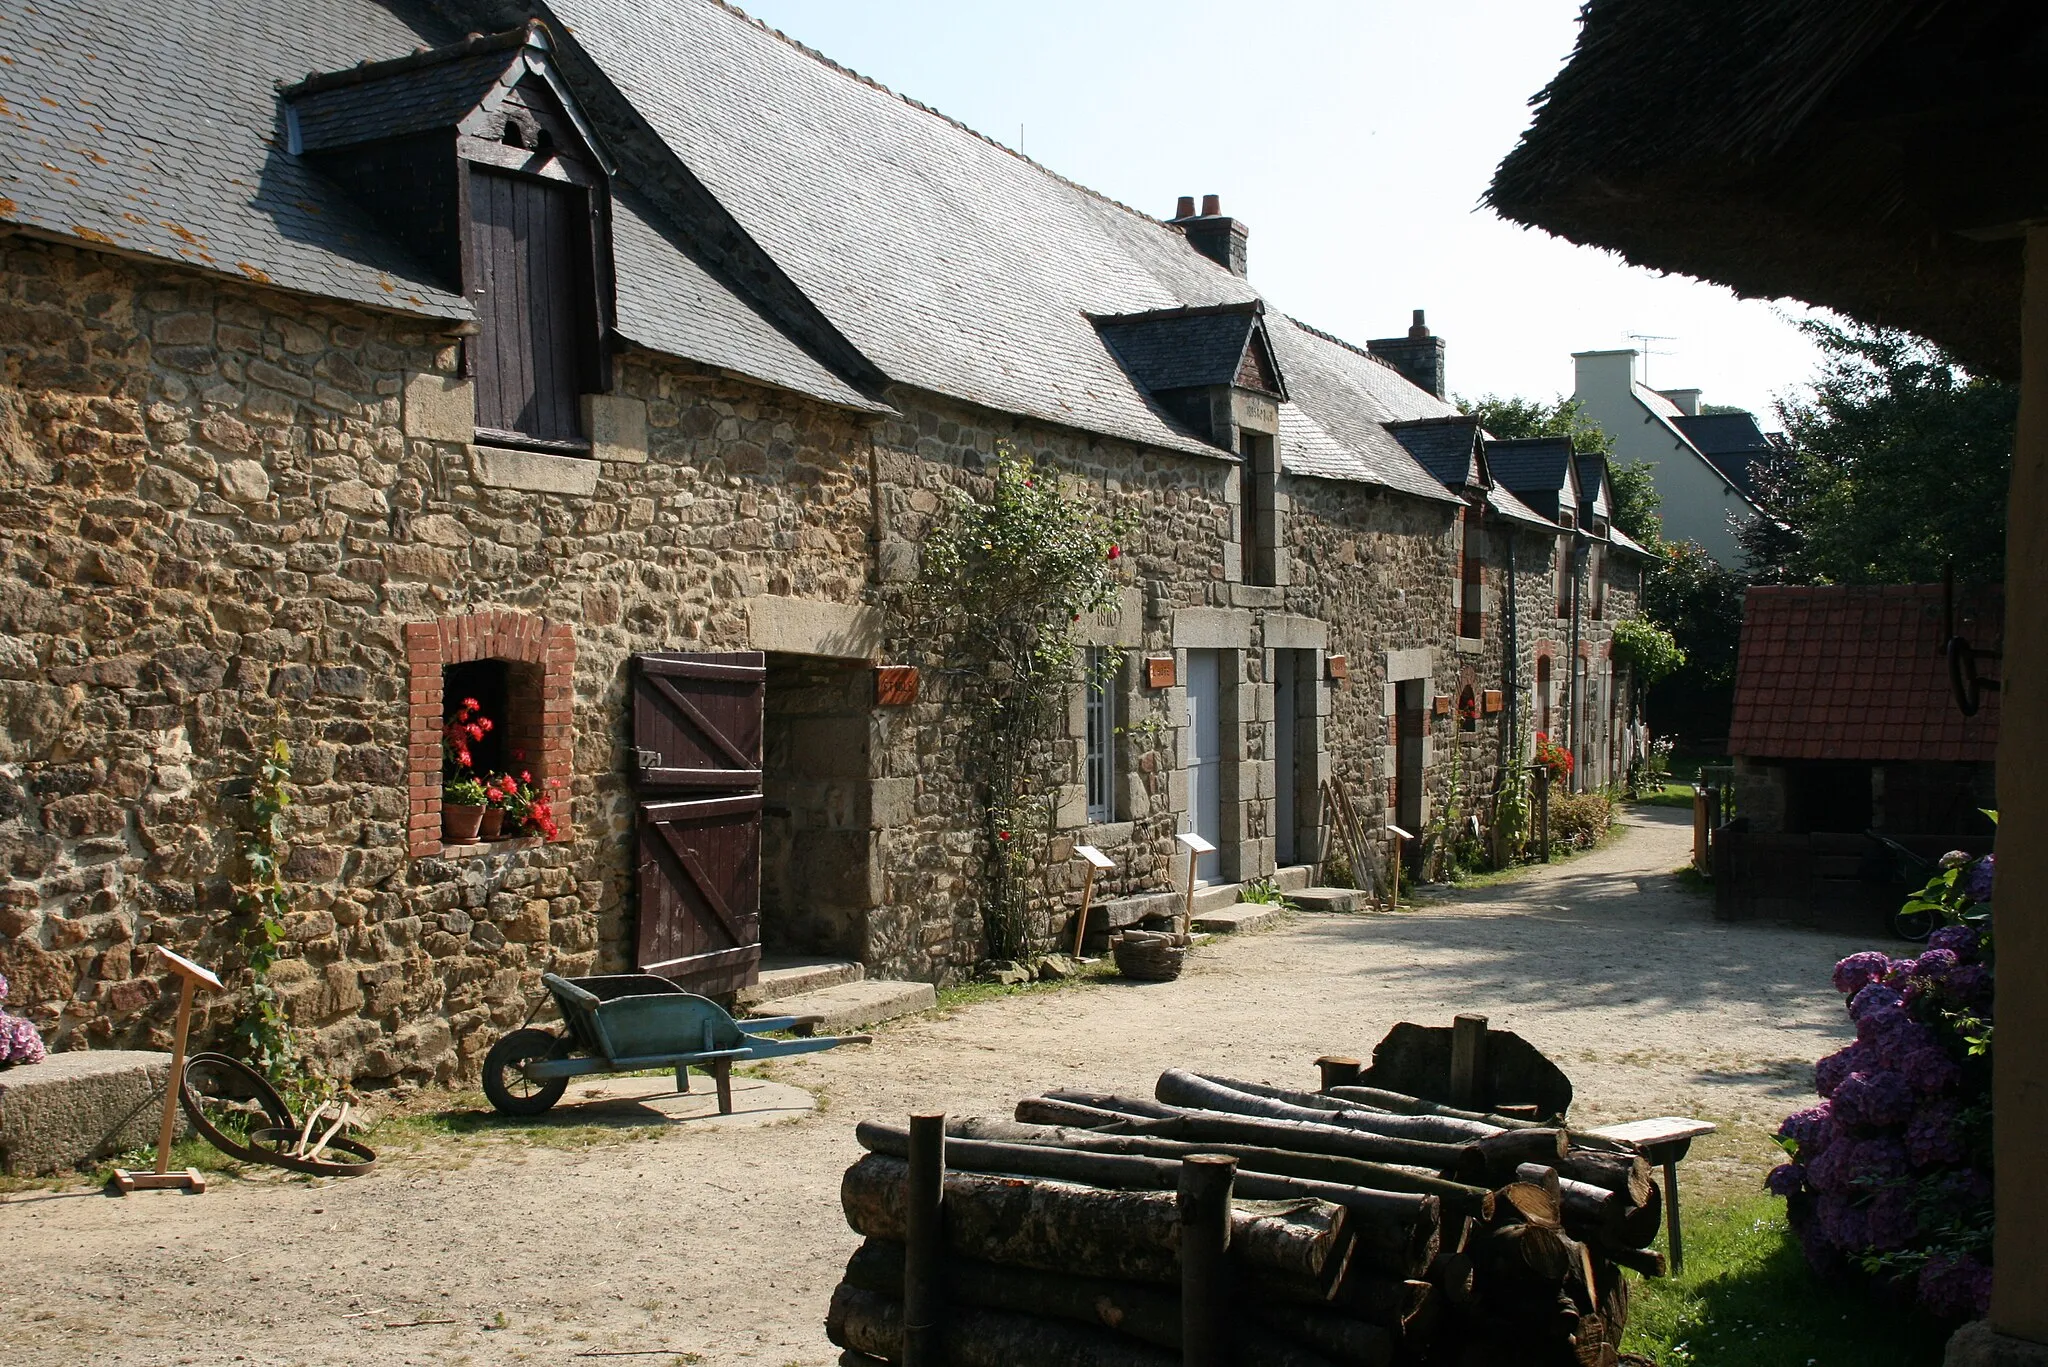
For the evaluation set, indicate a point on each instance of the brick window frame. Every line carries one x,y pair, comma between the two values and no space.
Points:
518,638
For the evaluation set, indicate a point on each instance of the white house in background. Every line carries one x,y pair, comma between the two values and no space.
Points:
1704,496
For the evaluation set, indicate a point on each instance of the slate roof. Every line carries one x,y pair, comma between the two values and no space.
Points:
1446,447
1530,465
1730,440
1181,348
1856,673
397,98
1505,504
154,129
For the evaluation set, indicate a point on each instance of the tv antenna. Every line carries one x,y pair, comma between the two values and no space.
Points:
1645,338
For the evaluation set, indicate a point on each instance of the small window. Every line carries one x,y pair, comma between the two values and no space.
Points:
1564,575
501,699
1257,524
1543,694
1101,743
1597,573
1468,709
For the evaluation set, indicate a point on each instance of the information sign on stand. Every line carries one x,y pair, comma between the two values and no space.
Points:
1401,837
191,975
1197,847
1097,863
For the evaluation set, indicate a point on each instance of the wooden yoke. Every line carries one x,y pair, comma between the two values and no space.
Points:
190,976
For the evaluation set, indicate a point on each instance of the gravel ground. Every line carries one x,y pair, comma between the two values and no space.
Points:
722,1245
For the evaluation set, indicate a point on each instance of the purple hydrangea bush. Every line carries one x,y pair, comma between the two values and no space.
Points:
19,1042
1890,1175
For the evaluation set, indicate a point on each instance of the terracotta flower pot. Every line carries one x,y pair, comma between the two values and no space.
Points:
493,823
459,824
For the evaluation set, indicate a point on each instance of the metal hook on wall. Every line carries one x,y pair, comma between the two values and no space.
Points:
1963,680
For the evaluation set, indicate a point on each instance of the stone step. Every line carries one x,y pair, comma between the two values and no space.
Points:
80,1105
1214,897
785,975
1294,877
1330,899
848,1007
1236,920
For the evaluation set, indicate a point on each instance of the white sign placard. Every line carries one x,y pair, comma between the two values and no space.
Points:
1392,829
1195,842
1095,857
178,963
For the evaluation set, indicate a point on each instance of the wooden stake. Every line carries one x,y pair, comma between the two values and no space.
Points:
924,1259
1339,1071
1468,1060
190,975
1204,1202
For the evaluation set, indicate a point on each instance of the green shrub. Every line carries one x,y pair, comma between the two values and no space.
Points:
1580,819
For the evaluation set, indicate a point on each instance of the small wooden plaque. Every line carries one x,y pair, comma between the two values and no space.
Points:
1338,667
1159,671
1095,857
895,685
1392,829
1492,700
183,966
1441,704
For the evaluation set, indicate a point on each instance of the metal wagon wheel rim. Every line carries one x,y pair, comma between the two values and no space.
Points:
217,1090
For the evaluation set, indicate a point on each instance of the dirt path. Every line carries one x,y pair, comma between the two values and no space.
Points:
725,1244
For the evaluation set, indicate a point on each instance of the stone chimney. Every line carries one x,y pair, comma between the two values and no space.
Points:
1687,400
1211,232
1419,356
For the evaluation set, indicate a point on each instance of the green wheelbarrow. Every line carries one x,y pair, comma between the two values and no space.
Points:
625,1023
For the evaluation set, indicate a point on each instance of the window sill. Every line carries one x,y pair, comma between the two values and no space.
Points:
1471,645
538,472
484,849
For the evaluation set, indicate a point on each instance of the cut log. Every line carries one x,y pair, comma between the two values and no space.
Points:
1634,1226
1064,1227
1521,1252
1508,1150
1339,1338
1379,1098
1647,1262
1457,1198
1626,1173
1110,1101
1312,1134
1148,1313
1044,1110
1435,1127
872,1324
1193,1092
1528,1201
1451,1275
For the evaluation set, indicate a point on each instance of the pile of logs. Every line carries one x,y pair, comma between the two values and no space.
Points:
1229,1222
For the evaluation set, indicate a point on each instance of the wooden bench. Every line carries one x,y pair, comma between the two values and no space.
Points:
1664,1139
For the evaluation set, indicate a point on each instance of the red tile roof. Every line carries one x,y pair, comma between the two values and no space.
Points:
1859,674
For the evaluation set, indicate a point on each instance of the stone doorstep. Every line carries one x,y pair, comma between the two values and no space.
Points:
1236,920
785,975
1330,899
80,1105
851,1006
1294,877
1214,897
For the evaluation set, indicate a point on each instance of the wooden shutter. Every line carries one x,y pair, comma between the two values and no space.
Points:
529,282
700,891
697,720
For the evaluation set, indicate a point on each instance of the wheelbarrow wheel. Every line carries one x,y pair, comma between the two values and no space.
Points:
511,1090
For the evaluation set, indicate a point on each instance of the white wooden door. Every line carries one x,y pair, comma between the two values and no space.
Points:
1205,756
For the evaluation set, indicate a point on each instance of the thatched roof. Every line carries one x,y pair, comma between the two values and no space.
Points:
1873,156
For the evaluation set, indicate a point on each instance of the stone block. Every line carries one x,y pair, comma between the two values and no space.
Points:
1257,596
1977,1344
535,471
1290,631
440,408
1212,629
1419,663
892,802
617,427
798,626
78,1106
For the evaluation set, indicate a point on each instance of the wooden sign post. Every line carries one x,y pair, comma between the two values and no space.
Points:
1394,865
1197,847
1097,862
190,976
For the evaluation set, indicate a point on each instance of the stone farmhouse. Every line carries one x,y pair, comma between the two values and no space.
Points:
606,363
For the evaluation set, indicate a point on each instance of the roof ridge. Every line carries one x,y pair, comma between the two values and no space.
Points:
1254,308
425,55
1332,337
940,114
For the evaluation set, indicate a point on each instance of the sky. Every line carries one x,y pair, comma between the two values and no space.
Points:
1355,137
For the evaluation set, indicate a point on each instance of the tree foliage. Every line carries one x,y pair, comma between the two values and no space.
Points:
1699,601
1897,462
1637,504
1510,418
1648,649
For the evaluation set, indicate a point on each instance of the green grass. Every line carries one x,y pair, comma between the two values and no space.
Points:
1670,795
1692,880
973,993
1486,878
1748,1300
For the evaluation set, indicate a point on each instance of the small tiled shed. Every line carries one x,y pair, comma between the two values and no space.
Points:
1846,722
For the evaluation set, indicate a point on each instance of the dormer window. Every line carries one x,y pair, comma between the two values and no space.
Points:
475,157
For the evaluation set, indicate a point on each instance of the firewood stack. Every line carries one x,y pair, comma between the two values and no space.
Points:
1353,1227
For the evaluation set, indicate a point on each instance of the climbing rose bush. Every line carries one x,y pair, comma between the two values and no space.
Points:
19,1042
1891,1173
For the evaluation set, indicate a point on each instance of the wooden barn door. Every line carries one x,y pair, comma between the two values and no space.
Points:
697,722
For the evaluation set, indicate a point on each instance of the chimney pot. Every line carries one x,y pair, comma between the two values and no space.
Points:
1419,356
1186,207
1419,329
1212,205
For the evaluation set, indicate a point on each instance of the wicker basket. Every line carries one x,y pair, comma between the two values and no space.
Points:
1149,956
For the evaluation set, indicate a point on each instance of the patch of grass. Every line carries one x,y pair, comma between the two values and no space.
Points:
974,993
1670,795
1748,1300
1486,878
1692,880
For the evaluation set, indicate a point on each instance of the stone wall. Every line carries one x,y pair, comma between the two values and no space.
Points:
219,509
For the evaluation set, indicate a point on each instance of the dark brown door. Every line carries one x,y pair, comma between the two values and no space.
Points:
697,724
697,720
700,891
529,282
